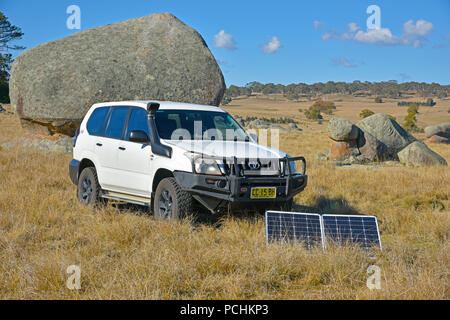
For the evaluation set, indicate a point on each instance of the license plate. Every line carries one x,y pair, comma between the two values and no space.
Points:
264,193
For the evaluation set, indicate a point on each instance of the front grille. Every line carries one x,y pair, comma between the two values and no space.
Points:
255,167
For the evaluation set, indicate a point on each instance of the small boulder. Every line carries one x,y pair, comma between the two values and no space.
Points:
341,150
371,148
342,130
387,131
442,130
438,139
418,154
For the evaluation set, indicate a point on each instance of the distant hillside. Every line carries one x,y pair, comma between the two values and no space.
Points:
387,89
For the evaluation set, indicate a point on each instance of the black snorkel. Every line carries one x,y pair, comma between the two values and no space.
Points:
157,147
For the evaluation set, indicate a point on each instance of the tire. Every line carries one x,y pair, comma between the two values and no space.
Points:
171,202
89,189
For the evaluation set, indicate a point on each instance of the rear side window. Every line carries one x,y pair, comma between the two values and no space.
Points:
138,121
96,120
116,122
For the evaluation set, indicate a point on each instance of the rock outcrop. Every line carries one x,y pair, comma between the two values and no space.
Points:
374,139
387,131
438,133
156,57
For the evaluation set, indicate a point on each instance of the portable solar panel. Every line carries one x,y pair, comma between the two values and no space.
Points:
294,226
343,229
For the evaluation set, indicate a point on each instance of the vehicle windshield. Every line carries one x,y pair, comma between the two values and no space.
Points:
198,125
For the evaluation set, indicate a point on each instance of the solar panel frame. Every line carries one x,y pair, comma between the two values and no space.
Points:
362,217
318,235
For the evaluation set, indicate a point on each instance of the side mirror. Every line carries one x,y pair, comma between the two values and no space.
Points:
254,136
139,136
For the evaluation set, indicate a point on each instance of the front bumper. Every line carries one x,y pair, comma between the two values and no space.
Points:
238,189
236,185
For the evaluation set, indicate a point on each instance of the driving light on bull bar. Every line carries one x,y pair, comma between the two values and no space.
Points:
206,166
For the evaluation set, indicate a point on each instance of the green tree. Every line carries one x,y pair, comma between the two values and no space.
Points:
410,119
8,33
413,108
378,100
313,114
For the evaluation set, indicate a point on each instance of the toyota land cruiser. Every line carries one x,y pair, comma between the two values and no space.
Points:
176,157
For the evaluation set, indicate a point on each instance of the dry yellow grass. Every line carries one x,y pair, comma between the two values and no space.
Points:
347,107
124,253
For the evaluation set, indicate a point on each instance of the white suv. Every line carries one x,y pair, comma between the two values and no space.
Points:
177,158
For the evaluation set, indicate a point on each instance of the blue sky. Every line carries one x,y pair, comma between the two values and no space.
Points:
280,41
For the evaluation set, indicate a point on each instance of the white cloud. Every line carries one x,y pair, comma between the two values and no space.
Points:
272,46
318,25
414,34
343,62
224,40
353,27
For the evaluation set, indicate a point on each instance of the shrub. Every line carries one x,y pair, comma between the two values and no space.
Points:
413,108
313,114
430,102
366,113
326,107
410,119
378,100
4,92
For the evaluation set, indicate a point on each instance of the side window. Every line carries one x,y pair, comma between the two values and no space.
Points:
96,120
138,121
116,122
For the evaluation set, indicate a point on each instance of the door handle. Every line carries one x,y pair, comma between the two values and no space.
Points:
99,144
122,148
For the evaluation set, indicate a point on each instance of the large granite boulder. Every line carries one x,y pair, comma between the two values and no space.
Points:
442,130
387,131
343,150
153,57
439,133
418,154
342,130
371,148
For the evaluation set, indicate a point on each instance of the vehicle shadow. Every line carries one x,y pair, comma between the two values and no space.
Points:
322,205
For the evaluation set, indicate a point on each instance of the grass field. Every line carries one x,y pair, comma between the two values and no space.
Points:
125,253
348,107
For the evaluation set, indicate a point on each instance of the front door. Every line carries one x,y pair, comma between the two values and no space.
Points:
134,158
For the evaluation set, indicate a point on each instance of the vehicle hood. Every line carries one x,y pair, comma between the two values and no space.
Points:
238,149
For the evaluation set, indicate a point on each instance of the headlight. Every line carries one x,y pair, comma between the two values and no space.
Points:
293,167
206,166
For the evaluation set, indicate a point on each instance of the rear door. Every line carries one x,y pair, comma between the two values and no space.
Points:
107,147
134,158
